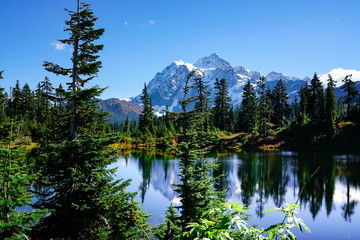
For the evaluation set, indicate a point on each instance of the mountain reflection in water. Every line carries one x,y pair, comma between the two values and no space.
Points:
262,180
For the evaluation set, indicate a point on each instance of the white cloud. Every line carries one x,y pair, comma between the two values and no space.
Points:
152,22
59,46
338,74
126,23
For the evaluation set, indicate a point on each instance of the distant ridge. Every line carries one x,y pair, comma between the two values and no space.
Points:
120,109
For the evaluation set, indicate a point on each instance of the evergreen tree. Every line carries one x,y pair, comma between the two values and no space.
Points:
280,105
222,108
15,104
351,92
15,184
146,121
3,99
43,110
330,107
264,107
201,98
126,128
87,202
85,64
196,189
27,102
248,109
171,227
317,100
3,103
42,98
169,122
57,129
294,110
304,105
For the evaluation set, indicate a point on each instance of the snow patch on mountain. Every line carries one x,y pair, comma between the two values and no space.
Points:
166,88
213,61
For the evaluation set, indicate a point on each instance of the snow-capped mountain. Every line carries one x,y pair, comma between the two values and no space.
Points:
166,88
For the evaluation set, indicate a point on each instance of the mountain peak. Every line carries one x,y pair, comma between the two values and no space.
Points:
212,61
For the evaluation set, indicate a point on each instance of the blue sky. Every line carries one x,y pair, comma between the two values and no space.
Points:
142,37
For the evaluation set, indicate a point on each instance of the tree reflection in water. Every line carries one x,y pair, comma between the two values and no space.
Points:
255,177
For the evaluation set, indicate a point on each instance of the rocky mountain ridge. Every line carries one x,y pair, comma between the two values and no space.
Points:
165,89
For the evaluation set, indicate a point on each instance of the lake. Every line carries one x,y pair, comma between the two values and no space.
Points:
329,200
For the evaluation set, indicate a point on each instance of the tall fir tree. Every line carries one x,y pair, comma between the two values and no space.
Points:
43,110
146,120
317,100
27,102
222,107
2,97
264,107
43,103
171,227
201,97
196,191
351,92
280,105
85,63
15,190
248,109
15,103
303,117
126,128
87,202
330,107
3,100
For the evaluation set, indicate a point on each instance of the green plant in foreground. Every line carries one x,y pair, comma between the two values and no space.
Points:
282,230
228,221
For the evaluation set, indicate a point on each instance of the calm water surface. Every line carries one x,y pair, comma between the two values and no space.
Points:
329,201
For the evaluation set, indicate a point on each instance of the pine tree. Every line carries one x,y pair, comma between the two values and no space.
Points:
330,107
201,97
85,64
126,128
87,202
3,101
317,100
15,104
42,98
280,105
351,92
196,189
171,227
27,103
222,108
15,184
146,121
264,107
303,117
43,113
248,109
